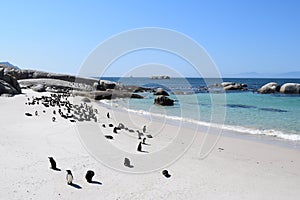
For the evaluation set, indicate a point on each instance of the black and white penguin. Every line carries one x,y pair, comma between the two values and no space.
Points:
144,141
89,175
166,173
144,129
53,163
53,119
69,177
139,148
108,116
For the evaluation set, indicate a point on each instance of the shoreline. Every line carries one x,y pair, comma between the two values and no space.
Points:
228,130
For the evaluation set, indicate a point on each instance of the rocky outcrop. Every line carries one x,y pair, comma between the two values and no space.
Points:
108,94
53,85
163,100
219,87
6,88
9,84
39,88
20,74
290,88
271,87
161,91
233,86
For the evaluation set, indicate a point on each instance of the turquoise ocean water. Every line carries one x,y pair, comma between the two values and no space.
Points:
275,115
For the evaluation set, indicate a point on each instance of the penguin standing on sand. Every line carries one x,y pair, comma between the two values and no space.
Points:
139,148
89,175
69,177
53,163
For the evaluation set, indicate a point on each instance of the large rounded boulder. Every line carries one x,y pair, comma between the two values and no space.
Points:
161,91
271,87
290,88
163,100
11,81
39,88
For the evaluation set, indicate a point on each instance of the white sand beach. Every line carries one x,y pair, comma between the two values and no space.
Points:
234,169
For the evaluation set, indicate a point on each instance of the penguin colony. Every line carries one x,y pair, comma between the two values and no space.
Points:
63,108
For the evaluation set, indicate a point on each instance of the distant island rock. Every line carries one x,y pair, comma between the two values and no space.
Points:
160,77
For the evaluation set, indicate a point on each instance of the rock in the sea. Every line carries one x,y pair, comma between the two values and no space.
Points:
39,88
233,86
163,100
161,91
271,87
290,88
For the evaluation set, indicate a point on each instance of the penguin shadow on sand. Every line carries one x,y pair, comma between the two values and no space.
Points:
75,185
145,143
89,176
53,164
139,148
127,163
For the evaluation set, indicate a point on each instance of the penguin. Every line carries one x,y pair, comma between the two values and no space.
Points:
121,126
53,163
36,113
69,177
139,148
28,114
53,119
54,112
144,129
89,175
108,116
144,141
109,137
115,130
166,173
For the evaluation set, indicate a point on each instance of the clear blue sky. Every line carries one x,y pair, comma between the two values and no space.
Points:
241,36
